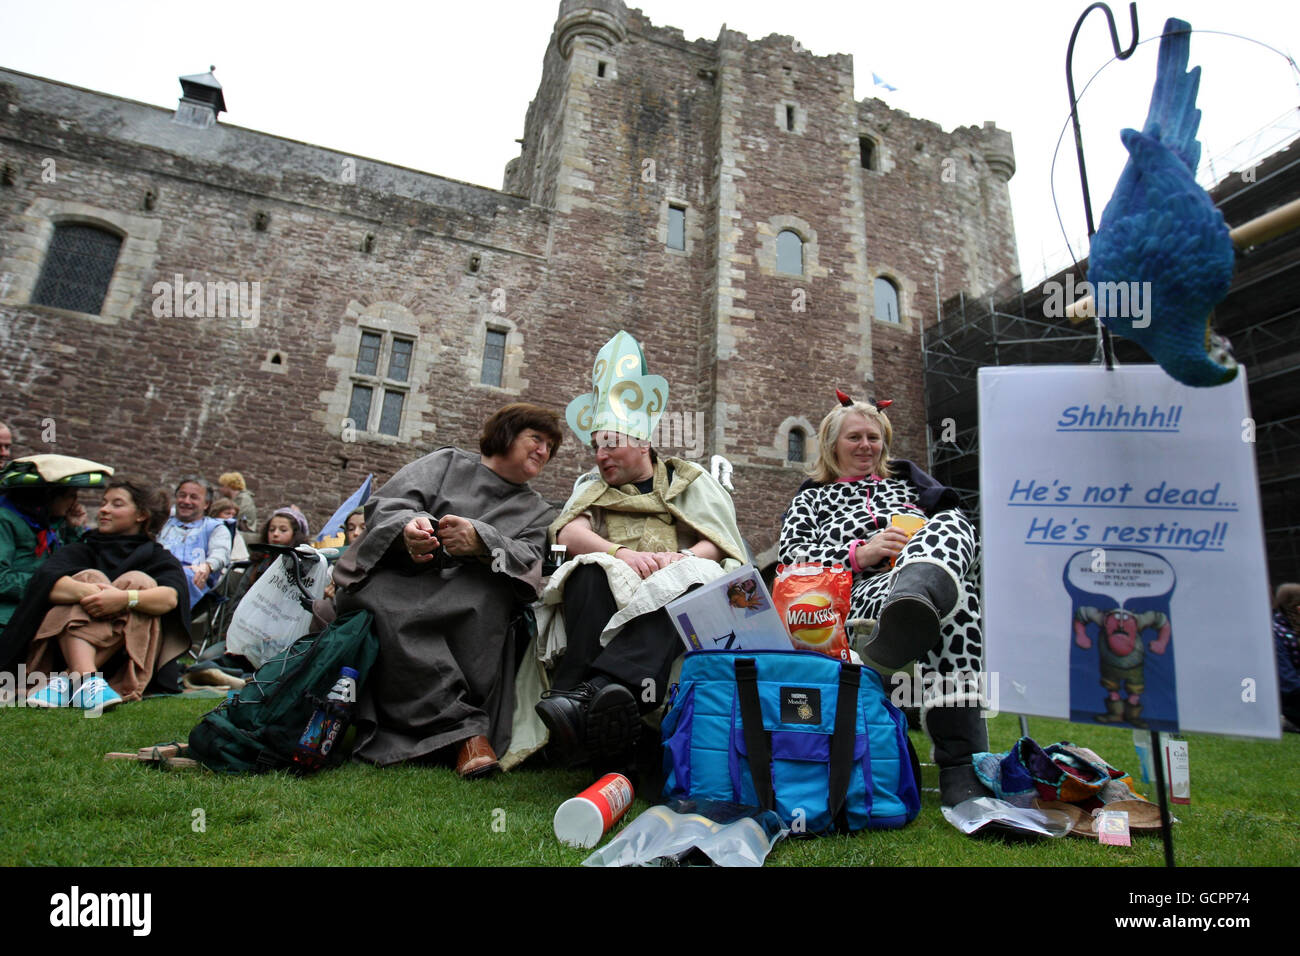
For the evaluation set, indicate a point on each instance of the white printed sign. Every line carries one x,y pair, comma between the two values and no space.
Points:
1124,573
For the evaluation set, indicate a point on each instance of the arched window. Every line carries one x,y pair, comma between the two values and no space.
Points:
789,252
867,151
887,301
794,445
78,268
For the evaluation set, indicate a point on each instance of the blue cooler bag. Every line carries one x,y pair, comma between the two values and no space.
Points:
792,731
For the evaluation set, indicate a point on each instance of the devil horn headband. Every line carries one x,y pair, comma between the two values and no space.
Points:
848,402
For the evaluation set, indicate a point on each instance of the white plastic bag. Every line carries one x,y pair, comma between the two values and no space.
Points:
726,834
973,815
270,616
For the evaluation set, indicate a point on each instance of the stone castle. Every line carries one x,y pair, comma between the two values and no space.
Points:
180,295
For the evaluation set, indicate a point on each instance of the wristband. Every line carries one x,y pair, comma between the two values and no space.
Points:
614,550
689,553
853,558
132,598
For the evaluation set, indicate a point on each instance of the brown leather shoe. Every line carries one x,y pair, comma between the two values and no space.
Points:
476,759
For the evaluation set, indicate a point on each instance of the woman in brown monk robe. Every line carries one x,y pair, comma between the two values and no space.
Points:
452,549
108,603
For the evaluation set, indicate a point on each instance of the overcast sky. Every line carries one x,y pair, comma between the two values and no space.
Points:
443,86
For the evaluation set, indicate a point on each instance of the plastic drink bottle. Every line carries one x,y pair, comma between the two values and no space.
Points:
328,724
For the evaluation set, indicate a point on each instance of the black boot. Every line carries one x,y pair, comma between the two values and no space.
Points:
597,719
564,712
958,733
613,724
908,626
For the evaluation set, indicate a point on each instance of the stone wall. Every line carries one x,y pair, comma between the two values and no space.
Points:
629,119
165,395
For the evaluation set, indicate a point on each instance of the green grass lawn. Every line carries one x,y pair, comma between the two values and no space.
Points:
62,804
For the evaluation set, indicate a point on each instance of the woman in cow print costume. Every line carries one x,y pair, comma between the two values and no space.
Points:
926,605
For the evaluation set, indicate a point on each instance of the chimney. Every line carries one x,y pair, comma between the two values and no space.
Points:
201,100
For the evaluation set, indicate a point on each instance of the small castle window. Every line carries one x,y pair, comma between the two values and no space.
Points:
380,350
368,354
789,253
494,358
359,407
399,360
794,445
867,146
390,414
789,118
887,301
78,268
275,361
676,227
600,68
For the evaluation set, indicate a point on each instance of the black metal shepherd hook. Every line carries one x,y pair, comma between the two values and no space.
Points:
1107,348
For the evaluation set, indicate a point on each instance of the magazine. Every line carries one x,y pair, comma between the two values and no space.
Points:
732,613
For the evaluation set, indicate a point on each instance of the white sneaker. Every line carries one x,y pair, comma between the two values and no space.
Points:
53,694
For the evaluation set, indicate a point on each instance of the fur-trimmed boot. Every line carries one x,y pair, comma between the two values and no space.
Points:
958,733
922,595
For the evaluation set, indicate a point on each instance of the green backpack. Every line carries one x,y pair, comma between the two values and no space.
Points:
258,729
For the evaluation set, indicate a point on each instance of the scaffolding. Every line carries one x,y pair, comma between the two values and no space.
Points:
1260,317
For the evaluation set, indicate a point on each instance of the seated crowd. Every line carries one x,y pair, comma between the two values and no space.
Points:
103,604
448,557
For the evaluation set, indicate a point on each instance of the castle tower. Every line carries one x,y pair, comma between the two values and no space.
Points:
790,311
765,236
616,145
598,25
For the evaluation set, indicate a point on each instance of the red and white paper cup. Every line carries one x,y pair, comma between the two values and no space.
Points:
584,819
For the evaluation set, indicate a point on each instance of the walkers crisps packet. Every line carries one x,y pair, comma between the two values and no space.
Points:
813,601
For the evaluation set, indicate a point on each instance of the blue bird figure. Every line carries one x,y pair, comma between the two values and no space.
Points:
1162,258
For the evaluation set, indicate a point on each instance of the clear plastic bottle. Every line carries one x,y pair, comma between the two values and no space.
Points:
327,725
